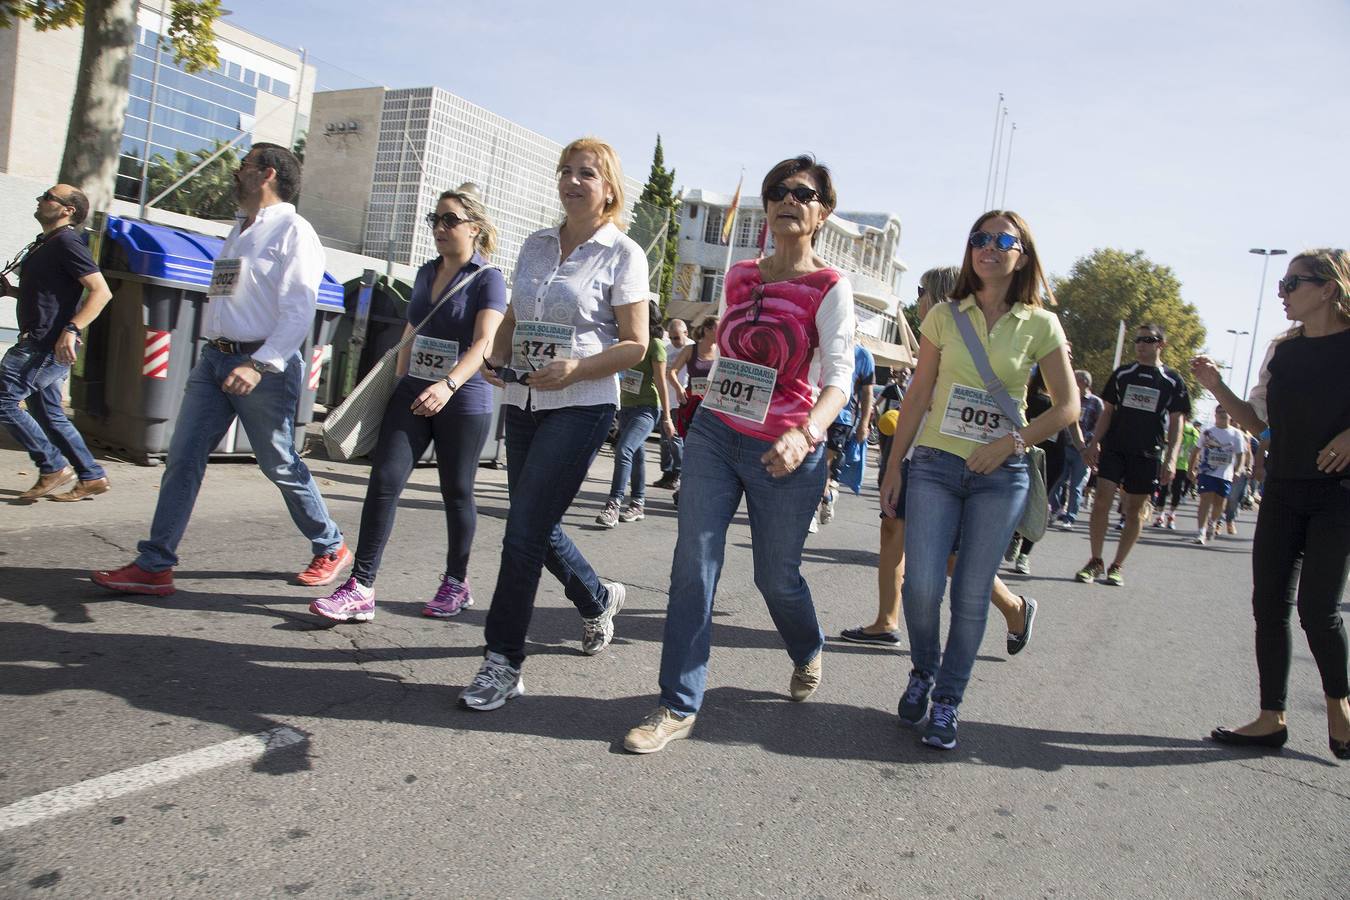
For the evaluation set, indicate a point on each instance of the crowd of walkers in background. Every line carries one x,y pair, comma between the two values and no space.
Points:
766,402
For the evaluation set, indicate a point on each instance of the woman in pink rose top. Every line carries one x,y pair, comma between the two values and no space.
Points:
783,371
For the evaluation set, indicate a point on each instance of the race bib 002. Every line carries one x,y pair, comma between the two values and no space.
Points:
741,389
227,275
630,381
536,344
1141,398
974,415
432,358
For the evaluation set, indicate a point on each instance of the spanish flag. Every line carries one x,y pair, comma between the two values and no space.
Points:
730,221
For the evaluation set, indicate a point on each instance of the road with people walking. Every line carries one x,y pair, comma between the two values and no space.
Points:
131,764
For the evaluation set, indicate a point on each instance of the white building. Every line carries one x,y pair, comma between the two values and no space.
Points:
377,159
864,246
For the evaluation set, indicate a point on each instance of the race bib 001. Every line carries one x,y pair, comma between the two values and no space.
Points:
432,358
698,385
1142,398
741,389
227,275
630,381
974,415
536,344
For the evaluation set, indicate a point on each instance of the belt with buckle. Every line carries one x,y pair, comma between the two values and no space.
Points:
228,346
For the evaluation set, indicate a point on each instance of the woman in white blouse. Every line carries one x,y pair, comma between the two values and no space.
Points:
578,316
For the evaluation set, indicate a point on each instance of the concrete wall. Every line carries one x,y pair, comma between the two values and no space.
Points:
340,164
42,67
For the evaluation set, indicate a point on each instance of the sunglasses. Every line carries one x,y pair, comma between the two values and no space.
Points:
48,195
920,290
449,220
801,193
1290,284
1148,339
1003,242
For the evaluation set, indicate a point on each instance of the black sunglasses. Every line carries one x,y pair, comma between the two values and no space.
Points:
448,219
1003,242
920,290
1290,284
801,192
1148,339
48,195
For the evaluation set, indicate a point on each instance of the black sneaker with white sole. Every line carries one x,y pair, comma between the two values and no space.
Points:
496,682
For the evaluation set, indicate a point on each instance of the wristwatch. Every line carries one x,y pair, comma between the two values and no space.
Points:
72,328
261,368
813,434
1019,443
450,383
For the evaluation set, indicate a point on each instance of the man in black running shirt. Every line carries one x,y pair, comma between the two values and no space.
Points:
1135,445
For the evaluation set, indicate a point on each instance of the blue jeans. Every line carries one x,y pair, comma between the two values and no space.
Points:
724,465
267,415
1071,481
548,453
630,454
1234,503
29,373
672,455
947,501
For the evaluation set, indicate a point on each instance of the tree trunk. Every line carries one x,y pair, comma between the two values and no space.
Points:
98,113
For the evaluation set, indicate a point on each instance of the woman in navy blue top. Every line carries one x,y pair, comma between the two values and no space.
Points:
441,398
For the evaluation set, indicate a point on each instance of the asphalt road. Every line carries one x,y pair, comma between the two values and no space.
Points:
1082,769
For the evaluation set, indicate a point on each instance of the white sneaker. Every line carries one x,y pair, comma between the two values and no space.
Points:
1201,537
813,528
596,633
827,506
496,682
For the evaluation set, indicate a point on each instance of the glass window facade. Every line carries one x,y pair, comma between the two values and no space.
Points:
192,110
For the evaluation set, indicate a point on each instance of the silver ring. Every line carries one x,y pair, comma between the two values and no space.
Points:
1332,453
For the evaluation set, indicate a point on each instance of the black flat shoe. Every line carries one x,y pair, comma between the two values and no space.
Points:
1274,741
1339,749
1016,642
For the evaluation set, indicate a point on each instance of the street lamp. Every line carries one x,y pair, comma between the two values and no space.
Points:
1259,297
1232,363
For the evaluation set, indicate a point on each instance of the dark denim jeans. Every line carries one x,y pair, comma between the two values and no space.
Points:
267,415
672,455
630,452
29,373
548,453
946,501
723,465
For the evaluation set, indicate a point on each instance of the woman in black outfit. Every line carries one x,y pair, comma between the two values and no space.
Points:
1302,543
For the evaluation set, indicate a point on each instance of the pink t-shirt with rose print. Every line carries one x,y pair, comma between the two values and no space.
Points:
803,328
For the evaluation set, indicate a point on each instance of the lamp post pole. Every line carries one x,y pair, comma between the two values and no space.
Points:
1256,327
1232,360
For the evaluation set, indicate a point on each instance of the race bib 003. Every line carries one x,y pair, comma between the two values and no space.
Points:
536,344
432,358
630,381
974,415
1142,398
741,389
227,275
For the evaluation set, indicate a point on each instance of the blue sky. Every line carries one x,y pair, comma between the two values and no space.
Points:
1192,131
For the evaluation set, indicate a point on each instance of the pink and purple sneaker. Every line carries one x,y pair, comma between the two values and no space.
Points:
451,598
353,602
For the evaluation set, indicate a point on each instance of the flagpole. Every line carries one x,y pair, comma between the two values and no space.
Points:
730,231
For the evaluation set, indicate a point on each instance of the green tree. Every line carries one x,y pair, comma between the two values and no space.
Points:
98,112
1110,285
658,210
208,194
299,148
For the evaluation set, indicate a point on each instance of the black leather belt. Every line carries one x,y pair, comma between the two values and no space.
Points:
226,346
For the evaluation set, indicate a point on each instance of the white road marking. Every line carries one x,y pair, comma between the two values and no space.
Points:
105,787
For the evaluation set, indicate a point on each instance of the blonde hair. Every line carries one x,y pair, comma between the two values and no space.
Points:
467,196
1029,283
610,170
938,285
1332,264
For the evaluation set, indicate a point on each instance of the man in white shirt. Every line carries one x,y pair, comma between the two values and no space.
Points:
672,448
264,288
1220,451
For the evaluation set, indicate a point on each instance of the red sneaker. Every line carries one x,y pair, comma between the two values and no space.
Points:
326,567
132,579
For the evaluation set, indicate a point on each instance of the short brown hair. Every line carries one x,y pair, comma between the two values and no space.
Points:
798,165
1029,282
76,199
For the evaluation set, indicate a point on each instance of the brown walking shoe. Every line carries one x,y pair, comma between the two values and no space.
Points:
82,489
805,679
658,729
45,485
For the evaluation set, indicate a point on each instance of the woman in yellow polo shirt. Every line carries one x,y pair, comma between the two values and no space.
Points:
968,477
